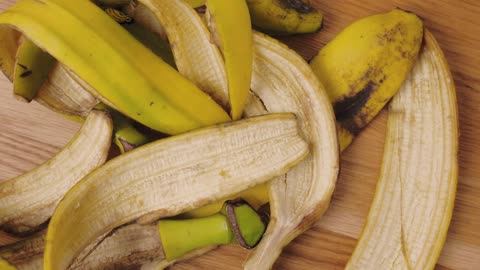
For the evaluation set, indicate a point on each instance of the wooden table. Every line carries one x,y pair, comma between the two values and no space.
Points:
30,134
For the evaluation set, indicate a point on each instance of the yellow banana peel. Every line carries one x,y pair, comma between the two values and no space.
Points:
157,101
32,66
230,27
409,217
285,16
365,65
165,178
28,201
10,40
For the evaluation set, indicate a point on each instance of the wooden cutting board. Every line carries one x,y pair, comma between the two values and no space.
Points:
30,134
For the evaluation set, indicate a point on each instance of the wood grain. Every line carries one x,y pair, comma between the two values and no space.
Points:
29,135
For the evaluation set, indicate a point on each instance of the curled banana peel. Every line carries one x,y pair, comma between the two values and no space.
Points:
413,204
158,101
230,27
165,178
285,16
28,201
32,66
365,65
196,57
284,82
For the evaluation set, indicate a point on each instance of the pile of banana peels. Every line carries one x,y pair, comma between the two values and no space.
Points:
226,135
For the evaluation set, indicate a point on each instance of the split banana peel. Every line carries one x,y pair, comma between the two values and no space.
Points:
413,204
165,178
158,101
284,82
28,201
365,65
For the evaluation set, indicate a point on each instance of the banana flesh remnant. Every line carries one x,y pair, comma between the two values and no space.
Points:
285,16
165,178
158,101
230,27
199,61
365,65
285,83
29,200
31,70
413,204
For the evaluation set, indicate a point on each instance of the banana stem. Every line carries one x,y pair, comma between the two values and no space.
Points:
236,223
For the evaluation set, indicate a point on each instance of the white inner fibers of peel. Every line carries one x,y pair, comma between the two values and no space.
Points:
410,214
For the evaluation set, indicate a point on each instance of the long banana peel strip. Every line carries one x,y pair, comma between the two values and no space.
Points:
285,16
230,26
286,83
31,70
196,57
172,176
411,211
153,93
365,65
28,201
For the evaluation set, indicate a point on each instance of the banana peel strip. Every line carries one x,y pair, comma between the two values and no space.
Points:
285,83
196,57
230,26
157,101
29,200
168,177
410,214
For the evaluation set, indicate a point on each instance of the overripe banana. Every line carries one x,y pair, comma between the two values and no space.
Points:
28,200
166,178
365,65
32,66
158,101
285,83
285,16
230,28
413,204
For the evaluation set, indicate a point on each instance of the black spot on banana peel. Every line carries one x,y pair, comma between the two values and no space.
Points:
301,6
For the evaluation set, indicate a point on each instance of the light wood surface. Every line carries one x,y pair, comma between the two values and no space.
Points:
30,134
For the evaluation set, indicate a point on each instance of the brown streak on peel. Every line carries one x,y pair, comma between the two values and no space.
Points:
300,6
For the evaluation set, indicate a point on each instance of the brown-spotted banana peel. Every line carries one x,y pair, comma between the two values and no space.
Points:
28,201
411,211
285,83
171,176
153,93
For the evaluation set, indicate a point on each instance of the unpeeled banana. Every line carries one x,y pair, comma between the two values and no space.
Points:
413,204
365,65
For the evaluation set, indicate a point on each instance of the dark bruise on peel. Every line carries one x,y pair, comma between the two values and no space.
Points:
21,231
300,6
126,145
26,73
350,108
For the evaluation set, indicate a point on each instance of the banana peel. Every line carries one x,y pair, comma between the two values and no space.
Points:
365,65
285,16
409,217
200,61
10,40
28,201
230,27
60,27
284,82
32,66
165,178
